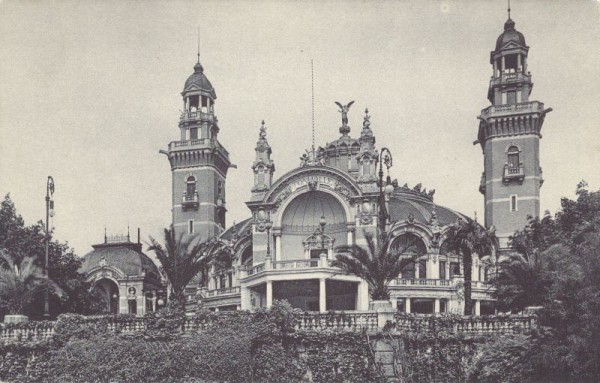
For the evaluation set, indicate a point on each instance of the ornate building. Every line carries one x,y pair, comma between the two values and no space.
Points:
509,135
126,279
284,249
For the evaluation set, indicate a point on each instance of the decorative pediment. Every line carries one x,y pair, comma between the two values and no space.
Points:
314,178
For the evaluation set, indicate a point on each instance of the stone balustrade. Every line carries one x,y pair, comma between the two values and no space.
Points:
356,321
346,321
476,324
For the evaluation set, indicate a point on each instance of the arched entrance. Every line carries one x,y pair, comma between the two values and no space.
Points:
302,219
108,290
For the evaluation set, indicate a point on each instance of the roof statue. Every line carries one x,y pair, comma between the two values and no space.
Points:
344,129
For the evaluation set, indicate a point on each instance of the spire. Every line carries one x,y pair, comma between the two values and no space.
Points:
509,9
198,68
263,167
312,92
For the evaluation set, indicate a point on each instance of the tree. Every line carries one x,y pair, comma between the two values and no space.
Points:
183,259
520,282
378,264
21,242
467,237
21,282
562,257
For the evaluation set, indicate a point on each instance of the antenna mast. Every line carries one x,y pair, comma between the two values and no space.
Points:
312,89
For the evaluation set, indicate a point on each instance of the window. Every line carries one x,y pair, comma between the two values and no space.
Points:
442,269
454,269
193,133
190,189
513,202
422,270
513,157
443,305
401,304
511,97
191,226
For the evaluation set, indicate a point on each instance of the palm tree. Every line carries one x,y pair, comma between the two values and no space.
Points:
378,264
21,282
520,281
183,259
467,237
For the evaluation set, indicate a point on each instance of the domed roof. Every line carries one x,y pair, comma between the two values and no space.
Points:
199,79
124,256
407,203
510,34
307,209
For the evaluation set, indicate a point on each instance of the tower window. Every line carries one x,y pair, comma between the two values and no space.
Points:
513,202
193,133
191,226
190,189
513,157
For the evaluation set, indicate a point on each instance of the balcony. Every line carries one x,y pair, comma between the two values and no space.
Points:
199,143
287,266
427,283
226,291
519,108
195,116
190,201
513,173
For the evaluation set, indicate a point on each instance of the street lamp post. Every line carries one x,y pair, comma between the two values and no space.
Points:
268,226
385,158
49,213
322,223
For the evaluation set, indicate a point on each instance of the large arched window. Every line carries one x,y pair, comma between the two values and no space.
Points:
411,245
513,160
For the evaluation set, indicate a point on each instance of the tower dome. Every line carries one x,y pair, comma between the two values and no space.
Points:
198,82
510,34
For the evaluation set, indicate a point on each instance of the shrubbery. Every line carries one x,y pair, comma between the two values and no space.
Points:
238,347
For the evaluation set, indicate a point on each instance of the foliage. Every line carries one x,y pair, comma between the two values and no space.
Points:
435,353
467,237
21,282
521,282
183,259
558,267
261,346
378,264
521,358
22,242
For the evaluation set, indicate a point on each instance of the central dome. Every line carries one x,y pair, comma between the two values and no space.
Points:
510,34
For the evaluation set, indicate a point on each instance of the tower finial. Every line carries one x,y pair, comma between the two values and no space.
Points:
312,90
199,44
509,9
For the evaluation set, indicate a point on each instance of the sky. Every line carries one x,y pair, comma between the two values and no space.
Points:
90,92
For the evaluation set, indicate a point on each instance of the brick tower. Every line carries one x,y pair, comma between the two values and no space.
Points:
199,163
509,135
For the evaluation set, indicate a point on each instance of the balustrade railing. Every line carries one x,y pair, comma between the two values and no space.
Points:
223,291
297,264
337,321
479,324
423,282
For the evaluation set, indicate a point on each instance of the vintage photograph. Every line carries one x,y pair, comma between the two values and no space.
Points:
377,194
